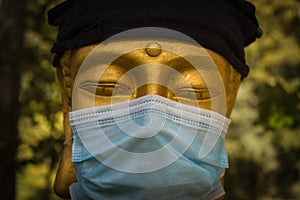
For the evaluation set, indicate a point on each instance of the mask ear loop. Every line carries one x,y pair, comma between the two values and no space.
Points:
68,140
211,137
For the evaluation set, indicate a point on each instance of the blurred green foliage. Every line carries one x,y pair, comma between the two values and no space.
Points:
263,141
40,123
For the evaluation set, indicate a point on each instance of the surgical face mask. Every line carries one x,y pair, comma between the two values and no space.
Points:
148,148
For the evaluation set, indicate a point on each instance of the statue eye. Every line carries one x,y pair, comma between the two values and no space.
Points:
106,89
199,94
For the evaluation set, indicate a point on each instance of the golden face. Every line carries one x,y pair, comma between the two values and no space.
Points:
122,80
119,81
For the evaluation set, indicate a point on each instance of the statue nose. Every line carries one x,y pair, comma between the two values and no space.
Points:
153,88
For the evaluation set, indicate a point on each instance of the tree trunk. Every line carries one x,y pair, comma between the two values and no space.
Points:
12,26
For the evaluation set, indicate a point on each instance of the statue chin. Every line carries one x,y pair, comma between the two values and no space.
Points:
116,72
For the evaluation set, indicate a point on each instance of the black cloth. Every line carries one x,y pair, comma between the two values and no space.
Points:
224,26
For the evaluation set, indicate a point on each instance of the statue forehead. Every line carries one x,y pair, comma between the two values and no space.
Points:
74,58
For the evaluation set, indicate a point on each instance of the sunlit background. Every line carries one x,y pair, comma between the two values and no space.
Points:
263,142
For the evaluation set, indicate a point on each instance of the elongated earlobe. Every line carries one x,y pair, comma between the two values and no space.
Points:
65,175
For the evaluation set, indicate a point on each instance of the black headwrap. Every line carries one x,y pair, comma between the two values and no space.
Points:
224,26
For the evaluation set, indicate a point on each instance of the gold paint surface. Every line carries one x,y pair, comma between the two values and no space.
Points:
117,81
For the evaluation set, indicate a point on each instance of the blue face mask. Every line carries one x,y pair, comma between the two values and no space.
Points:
148,148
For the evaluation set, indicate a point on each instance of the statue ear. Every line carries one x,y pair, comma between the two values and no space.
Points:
234,80
65,175
67,69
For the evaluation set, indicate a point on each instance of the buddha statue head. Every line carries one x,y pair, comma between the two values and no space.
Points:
108,53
